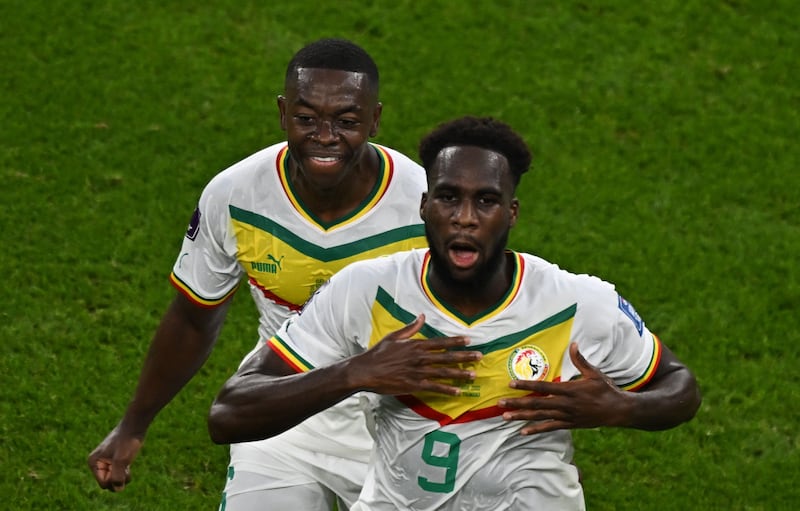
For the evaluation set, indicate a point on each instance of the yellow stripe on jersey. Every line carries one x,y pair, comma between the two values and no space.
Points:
385,173
478,399
651,368
194,297
289,269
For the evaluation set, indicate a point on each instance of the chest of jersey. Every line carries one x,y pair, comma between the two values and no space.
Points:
513,345
289,268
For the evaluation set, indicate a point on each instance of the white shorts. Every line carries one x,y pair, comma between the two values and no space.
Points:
265,480
320,461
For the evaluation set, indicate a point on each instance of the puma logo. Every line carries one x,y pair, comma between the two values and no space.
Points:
276,261
268,267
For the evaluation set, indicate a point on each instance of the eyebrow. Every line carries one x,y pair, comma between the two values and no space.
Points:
355,108
446,186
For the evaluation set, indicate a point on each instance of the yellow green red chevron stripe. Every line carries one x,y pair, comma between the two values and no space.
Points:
478,399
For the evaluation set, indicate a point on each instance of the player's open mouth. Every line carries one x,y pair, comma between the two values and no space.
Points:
462,255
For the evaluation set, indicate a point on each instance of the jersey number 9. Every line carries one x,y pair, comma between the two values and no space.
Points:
448,461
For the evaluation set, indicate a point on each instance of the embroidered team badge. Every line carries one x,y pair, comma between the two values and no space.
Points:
528,363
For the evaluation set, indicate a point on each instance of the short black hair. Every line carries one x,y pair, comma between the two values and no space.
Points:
333,53
484,132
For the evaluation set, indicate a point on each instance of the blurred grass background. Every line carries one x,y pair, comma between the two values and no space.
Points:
665,140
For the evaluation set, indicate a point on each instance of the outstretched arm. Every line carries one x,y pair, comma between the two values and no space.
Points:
182,343
265,397
669,399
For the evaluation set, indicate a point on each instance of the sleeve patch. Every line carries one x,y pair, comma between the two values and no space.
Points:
628,310
194,225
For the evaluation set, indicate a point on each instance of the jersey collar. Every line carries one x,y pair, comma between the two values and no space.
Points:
385,173
513,289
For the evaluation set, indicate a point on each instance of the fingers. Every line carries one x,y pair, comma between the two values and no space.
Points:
579,361
410,329
111,475
399,364
541,419
101,469
435,343
439,388
539,387
544,427
445,343
433,354
120,475
529,407
111,460
450,373
536,415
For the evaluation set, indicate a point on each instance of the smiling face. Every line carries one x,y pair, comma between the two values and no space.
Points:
329,116
468,211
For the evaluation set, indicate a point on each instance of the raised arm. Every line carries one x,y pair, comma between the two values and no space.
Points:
180,346
670,398
266,397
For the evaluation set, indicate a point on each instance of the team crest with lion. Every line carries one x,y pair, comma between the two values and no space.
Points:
528,363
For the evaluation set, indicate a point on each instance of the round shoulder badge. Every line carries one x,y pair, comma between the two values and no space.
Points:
528,363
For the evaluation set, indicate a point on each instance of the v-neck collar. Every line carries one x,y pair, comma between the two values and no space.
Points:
385,173
490,312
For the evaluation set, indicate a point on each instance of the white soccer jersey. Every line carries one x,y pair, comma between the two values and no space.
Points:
249,222
437,452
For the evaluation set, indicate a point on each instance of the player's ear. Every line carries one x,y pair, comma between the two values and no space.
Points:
422,203
514,212
282,110
376,119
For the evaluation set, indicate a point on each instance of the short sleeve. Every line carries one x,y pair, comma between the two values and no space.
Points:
207,270
613,337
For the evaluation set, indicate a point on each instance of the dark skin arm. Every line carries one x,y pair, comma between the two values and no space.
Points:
266,397
181,345
670,398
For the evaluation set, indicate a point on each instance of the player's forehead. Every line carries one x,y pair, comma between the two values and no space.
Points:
465,166
322,82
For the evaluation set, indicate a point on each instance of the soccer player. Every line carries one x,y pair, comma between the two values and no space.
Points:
483,358
285,219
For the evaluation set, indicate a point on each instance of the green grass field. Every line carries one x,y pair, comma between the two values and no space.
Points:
665,136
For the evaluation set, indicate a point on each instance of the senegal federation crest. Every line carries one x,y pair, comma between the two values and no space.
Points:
528,363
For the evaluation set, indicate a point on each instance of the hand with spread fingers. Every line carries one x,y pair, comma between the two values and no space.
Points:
590,401
593,400
401,365
396,365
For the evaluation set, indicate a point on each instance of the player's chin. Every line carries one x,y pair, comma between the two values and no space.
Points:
464,275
